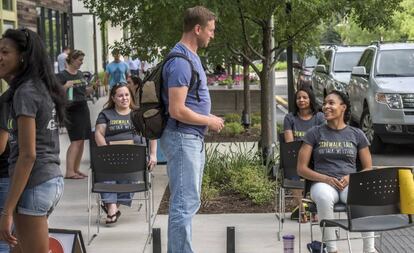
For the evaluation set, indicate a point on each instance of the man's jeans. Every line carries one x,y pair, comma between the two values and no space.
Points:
185,163
325,196
4,189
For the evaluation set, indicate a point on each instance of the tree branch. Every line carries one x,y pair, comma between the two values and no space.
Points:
292,37
239,53
277,53
255,20
260,56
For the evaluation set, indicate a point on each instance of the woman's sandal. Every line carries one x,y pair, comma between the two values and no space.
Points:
110,218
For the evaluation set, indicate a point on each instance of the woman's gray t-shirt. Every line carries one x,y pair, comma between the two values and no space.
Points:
118,127
299,126
31,99
335,151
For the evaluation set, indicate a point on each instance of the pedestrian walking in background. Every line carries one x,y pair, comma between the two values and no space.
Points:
61,59
116,72
134,65
114,126
189,118
78,121
37,108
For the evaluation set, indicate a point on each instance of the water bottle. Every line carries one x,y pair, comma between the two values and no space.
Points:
70,93
288,243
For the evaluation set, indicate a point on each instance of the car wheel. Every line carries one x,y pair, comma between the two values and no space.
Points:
377,146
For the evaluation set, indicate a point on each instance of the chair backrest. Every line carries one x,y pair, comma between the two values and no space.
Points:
288,158
119,162
373,192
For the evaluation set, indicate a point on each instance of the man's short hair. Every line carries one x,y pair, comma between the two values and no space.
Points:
65,48
115,51
198,15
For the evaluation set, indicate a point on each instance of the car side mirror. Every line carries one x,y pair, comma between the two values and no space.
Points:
296,65
359,71
320,68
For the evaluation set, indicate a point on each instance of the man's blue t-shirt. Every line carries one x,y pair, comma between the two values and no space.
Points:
177,73
117,72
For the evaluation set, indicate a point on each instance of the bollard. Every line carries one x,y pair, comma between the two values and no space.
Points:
156,240
231,240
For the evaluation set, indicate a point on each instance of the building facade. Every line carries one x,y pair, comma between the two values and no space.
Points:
50,19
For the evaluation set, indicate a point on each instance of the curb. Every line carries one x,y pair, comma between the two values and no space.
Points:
281,101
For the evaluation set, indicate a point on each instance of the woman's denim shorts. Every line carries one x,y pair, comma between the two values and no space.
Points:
41,199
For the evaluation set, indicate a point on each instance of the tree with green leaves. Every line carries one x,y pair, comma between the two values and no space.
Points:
245,30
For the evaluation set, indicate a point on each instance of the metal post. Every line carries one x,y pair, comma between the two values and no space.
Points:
231,240
95,50
156,239
273,91
291,90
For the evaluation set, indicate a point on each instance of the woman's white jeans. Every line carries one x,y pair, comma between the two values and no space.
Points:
325,196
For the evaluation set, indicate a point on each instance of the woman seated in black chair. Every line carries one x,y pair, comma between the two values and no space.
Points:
304,116
335,147
114,126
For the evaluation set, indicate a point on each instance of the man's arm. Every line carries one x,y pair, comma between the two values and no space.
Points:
105,81
179,111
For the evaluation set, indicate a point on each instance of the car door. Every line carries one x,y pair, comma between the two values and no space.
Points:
319,79
360,83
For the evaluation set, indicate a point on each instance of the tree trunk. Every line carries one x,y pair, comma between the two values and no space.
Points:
266,134
233,70
246,91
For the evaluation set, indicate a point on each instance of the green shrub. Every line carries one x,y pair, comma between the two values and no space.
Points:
232,129
256,119
281,65
232,117
252,182
209,191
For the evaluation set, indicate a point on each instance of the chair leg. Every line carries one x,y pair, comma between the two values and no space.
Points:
300,236
349,242
279,213
322,240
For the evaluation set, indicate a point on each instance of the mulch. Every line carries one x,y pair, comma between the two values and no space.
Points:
225,203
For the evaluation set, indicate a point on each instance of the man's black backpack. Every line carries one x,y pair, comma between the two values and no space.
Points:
150,118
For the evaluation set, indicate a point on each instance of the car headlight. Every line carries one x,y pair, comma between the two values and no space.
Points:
394,101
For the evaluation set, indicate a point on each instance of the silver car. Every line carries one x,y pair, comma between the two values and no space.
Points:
334,69
381,90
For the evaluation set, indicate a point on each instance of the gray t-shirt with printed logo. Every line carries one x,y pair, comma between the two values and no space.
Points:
335,151
118,127
32,99
299,126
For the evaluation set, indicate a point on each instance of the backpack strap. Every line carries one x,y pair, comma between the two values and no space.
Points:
195,77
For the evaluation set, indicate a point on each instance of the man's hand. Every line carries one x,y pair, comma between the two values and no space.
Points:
215,123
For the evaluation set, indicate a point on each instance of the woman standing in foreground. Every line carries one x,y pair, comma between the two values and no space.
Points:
36,108
335,147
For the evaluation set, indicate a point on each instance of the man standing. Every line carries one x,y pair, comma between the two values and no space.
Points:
116,71
134,65
189,118
61,59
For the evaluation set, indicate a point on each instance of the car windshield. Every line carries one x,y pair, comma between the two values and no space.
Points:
394,63
345,61
310,61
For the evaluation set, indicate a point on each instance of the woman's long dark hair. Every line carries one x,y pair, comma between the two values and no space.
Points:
312,101
35,65
345,99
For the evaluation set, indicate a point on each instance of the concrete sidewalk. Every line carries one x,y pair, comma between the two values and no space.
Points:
254,232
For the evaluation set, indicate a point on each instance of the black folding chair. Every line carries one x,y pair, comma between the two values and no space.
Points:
119,162
373,204
288,178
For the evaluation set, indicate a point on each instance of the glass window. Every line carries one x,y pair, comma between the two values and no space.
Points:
345,61
8,25
8,5
395,63
368,63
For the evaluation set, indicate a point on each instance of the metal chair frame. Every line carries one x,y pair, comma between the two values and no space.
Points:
119,162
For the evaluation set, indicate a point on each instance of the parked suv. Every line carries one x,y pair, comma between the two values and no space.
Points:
333,70
302,71
381,90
